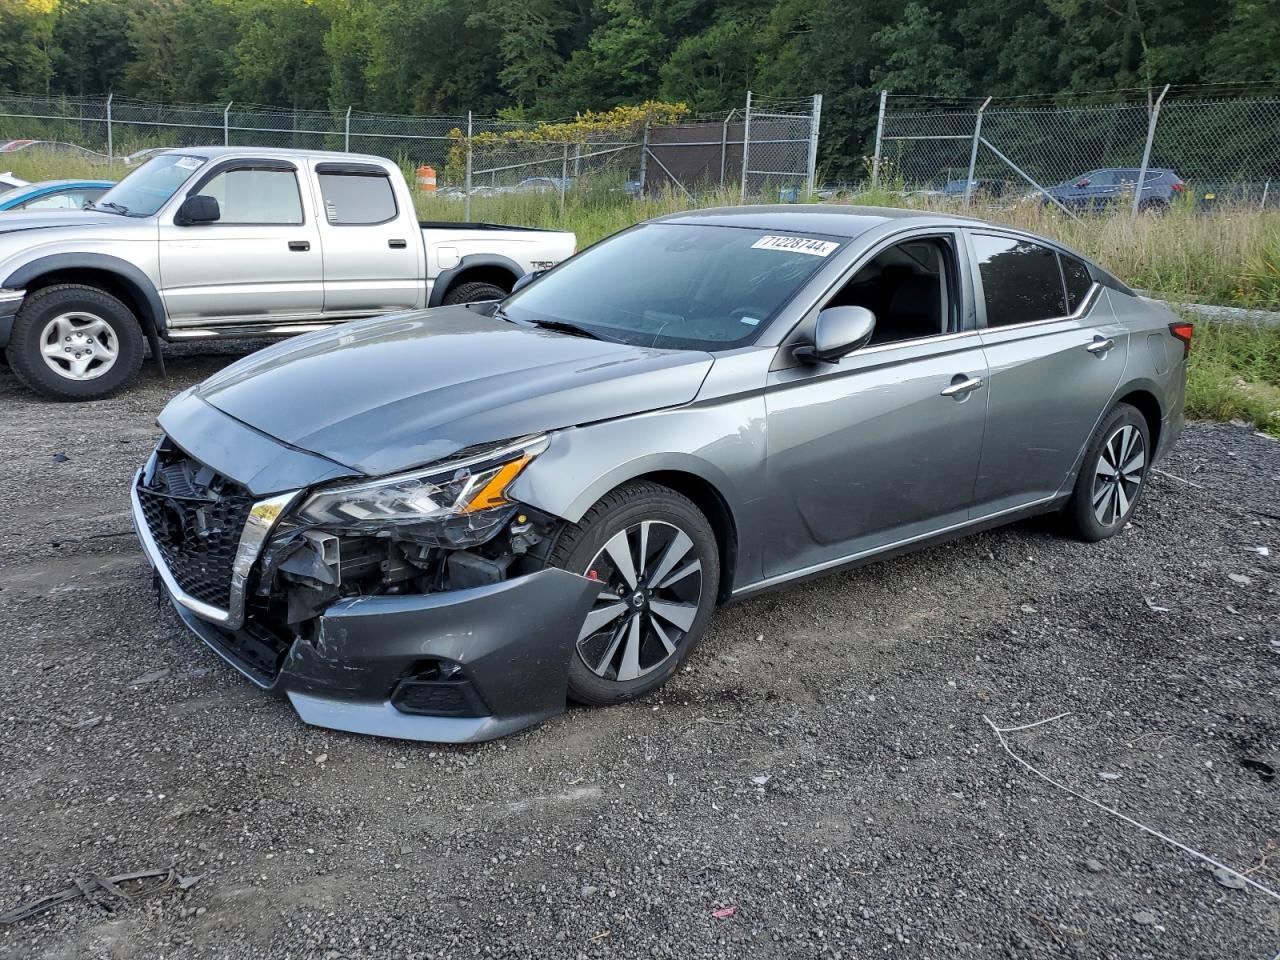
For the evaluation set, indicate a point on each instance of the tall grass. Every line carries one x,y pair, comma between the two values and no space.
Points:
35,165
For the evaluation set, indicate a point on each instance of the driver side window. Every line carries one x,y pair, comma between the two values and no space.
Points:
910,289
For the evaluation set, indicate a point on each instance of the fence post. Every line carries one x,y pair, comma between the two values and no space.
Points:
564,174
111,153
346,133
226,125
746,146
1146,153
814,120
644,160
466,195
875,160
973,152
724,143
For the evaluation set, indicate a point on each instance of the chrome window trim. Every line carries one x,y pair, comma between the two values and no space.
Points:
914,342
1085,306
257,528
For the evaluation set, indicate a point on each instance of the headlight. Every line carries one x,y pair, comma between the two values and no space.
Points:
450,504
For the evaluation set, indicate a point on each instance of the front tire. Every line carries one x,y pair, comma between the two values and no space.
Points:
74,342
1112,476
658,564
475,292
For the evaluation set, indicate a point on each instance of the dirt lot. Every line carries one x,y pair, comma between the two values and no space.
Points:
823,765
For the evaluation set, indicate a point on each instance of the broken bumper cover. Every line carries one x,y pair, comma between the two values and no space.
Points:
510,642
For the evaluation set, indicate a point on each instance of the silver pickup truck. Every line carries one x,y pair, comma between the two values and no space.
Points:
232,242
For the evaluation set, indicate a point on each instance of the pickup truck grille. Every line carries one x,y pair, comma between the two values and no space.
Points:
195,517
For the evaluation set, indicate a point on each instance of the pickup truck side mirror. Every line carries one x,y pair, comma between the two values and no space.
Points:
198,209
838,332
527,279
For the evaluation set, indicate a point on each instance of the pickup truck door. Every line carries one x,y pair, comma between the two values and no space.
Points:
373,249
260,261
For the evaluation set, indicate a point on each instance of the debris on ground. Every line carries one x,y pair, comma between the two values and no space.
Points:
724,913
100,892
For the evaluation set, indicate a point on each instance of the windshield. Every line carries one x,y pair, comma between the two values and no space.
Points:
678,286
149,188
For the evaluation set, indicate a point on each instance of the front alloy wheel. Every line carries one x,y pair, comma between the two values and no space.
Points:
657,562
652,591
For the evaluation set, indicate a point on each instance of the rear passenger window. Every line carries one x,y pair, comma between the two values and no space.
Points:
357,198
1020,280
1076,276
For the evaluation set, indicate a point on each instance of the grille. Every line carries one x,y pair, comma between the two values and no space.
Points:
195,517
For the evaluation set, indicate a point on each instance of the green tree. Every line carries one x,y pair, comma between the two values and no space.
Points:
279,56
26,42
91,44
181,50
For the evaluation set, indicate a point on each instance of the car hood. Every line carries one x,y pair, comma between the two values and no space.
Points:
388,394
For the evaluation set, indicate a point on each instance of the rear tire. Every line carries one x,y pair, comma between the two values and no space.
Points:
74,342
1112,476
656,598
474,292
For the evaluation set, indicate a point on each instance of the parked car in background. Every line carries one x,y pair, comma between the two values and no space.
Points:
983,188
55,195
234,242
9,182
1098,189
439,525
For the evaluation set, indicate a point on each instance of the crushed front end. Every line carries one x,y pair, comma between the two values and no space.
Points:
416,606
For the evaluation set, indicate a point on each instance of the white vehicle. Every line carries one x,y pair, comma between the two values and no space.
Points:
233,242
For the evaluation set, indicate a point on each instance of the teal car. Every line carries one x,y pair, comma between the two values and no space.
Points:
54,195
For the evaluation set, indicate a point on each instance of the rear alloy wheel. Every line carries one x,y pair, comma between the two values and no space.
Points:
1112,477
656,559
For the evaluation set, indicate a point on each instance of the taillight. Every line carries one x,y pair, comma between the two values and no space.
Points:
1183,331
1178,187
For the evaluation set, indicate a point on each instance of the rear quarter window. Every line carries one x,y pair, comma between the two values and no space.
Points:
1075,274
357,199
1021,282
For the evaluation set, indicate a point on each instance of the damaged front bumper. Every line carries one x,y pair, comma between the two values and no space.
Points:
455,666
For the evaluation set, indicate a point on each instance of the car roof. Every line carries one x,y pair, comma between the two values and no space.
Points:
836,220
271,153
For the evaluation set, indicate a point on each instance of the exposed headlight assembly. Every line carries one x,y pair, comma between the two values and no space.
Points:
453,504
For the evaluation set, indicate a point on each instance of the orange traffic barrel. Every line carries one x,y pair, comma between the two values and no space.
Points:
427,179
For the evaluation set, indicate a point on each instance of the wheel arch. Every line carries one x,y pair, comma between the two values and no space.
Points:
1149,406
715,508
119,278
476,268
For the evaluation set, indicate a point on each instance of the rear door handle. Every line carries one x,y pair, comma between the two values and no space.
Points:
962,387
299,246
397,244
1100,346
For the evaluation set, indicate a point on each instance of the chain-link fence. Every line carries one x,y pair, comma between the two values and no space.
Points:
767,149
1085,155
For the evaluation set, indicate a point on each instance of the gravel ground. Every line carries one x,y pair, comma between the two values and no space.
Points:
823,765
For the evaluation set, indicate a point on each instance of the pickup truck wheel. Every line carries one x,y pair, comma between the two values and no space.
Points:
474,293
74,342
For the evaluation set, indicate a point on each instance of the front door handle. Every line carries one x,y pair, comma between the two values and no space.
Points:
962,385
1100,346
299,246
397,244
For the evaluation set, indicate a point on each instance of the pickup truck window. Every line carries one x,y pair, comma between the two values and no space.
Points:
143,192
253,196
352,199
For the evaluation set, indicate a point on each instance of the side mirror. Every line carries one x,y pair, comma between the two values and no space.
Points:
527,279
838,332
198,209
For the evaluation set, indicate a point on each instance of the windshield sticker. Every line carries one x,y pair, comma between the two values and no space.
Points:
188,163
815,248
749,321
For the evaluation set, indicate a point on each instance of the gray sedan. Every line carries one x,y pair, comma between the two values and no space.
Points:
444,524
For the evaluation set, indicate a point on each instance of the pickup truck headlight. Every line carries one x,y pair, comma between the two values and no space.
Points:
451,504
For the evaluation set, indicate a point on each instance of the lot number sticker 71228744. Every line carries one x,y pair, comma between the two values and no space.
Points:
815,248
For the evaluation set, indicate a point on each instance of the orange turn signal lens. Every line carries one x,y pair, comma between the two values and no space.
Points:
493,493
